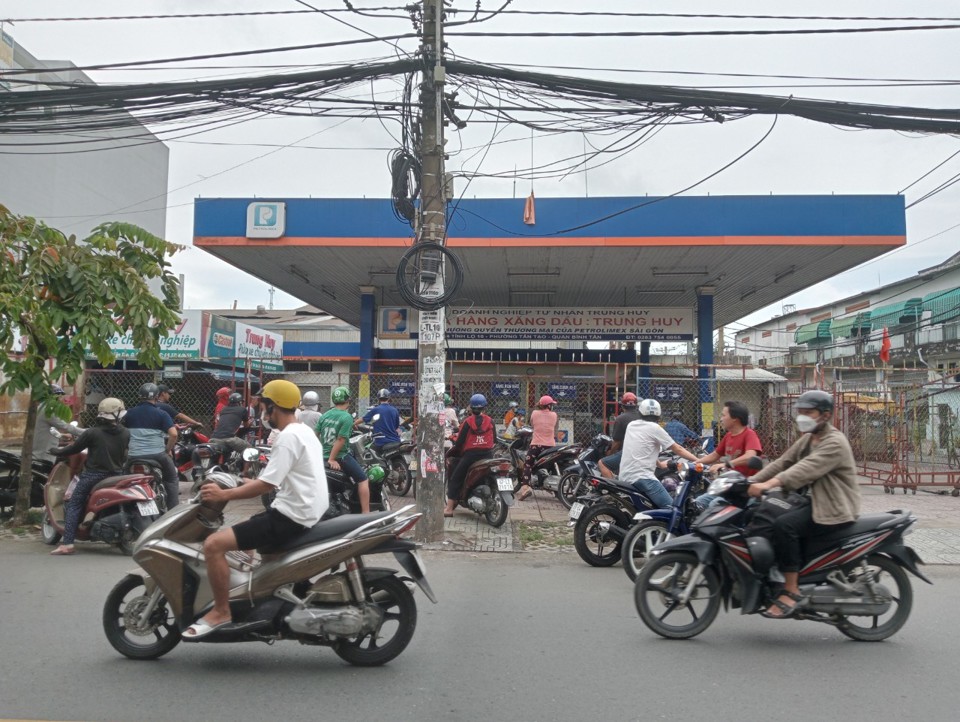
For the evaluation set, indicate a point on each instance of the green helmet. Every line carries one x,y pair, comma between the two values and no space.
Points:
376,474
340,395
447,400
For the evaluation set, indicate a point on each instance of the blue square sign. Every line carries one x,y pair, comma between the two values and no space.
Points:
561,391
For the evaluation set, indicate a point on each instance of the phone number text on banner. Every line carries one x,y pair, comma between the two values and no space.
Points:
583,324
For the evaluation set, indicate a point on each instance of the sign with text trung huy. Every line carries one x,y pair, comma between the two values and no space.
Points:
571,324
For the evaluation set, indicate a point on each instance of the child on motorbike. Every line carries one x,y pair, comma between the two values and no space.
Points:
475,440
106,444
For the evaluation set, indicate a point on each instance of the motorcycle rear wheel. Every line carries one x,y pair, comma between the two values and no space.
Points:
886,571
637,544
400,480
498,513
399,610
659,585
595,545
568,489
120,612
48,531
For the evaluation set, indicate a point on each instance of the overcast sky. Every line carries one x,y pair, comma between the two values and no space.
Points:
350,160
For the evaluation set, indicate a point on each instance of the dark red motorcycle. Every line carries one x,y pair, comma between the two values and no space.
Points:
118,509
488,488
550,466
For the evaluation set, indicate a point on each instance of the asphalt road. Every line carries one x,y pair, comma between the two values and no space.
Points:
514,637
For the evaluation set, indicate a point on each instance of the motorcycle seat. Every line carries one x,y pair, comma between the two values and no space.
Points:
323,530
152,463
389,448
866,523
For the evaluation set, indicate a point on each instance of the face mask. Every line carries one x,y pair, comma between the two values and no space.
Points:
806,424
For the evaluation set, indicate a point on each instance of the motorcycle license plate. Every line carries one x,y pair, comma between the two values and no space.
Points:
148,508
504,483
576,510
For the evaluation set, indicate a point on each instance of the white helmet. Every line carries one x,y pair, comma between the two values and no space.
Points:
649,407
311,400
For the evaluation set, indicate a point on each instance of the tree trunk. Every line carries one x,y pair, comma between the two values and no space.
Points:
26,466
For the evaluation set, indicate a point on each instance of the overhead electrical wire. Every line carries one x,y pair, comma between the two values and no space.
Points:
693,33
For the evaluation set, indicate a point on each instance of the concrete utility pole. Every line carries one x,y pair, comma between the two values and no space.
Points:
431,357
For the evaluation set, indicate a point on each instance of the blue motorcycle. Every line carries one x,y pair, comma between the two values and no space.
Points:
657,525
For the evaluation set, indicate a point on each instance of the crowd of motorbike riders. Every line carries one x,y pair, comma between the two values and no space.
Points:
149,431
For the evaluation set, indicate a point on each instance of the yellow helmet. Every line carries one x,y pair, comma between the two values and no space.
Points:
284,394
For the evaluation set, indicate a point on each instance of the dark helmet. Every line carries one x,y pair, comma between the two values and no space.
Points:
817,400
57,390
383,394
148,392
478,401
164,389
235,399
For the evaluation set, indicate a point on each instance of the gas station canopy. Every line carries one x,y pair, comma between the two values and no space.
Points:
581,252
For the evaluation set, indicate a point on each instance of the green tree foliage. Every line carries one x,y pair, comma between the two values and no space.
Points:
62,298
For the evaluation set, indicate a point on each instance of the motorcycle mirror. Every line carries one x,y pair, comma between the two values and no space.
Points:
755,462
54,433
250,454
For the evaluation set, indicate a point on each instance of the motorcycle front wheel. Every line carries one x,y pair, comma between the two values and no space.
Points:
571,485
399,479
638,543
398,621
877,628
658,593
127,633
593,539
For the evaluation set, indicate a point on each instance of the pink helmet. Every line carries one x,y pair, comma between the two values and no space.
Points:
546,401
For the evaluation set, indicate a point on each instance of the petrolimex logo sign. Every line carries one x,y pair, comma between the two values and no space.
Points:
266,219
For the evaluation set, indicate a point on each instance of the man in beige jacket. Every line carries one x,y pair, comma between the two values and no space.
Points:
822,460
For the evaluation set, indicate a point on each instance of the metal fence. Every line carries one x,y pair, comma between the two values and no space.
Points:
904,426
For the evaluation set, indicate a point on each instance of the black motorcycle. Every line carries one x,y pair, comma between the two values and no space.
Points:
852,579
548,468
605,514
575,479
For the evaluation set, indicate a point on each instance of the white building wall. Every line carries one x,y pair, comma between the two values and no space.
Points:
75,191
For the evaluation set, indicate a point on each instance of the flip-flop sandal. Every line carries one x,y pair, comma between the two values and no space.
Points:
60,552
785,611
200,629
448,514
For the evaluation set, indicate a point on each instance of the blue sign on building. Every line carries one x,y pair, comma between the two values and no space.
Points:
668,392
505,390
560,391
403,388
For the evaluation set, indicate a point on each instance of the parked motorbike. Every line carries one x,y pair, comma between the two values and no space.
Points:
487,489
187,439
211,457
316,589
602,517
392,457
118,509
549,466
656,525
852,579
576,477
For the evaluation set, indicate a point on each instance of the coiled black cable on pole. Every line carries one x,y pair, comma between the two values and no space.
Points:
424,261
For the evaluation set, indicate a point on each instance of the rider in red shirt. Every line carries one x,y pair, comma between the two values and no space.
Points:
738,444
475,441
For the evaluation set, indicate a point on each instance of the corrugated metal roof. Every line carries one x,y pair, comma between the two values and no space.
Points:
722,374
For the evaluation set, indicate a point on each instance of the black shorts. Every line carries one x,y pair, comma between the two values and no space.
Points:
267,529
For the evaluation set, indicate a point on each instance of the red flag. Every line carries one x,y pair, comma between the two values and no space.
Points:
885,346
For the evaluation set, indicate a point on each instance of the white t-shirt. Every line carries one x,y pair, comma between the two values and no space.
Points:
642,445
296,469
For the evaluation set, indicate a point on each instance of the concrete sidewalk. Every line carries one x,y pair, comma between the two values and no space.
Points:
936,537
